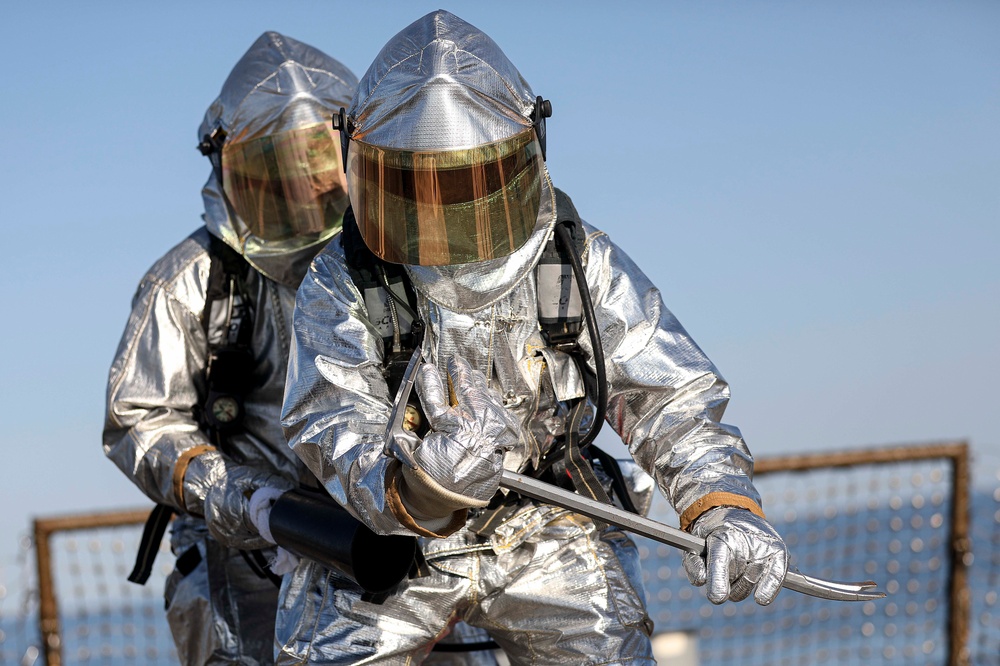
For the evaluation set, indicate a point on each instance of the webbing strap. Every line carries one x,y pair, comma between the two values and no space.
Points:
149,544
611,467
226,263
578,467
492,516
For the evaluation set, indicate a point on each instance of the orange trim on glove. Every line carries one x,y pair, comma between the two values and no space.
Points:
393,479
180,468
712,500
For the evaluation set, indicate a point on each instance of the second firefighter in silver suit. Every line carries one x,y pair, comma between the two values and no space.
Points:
275,102
447,177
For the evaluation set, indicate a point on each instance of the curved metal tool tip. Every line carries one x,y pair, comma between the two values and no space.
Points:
825,589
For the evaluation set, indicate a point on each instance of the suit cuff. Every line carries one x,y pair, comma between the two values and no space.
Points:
438,528
712,500
180,468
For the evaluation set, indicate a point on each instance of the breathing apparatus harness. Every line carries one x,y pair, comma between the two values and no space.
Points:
230,357
564,303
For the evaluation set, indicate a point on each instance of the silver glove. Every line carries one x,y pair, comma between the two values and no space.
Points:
460,460
743,553
220,490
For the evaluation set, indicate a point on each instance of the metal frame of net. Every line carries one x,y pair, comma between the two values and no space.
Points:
899,516
89,613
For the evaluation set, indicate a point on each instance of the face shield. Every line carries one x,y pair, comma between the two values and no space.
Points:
446,207
288,188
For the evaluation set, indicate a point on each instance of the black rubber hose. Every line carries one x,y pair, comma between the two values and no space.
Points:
566,238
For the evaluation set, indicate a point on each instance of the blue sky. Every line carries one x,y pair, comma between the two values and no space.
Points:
813,186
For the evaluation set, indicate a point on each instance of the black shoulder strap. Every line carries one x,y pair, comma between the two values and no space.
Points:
229,365
226,265
389,298
227,270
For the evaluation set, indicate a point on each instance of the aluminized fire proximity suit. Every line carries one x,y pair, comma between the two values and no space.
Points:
549,585
280,94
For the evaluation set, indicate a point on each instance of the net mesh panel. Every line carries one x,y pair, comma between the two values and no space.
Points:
885,522
984,580
19,637
104,618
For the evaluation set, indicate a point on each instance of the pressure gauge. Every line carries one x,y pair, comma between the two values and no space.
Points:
224,410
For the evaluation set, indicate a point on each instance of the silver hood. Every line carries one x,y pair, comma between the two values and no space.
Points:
443,84
440,84
278,84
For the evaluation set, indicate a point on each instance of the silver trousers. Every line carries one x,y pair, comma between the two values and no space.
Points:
567,594
221,612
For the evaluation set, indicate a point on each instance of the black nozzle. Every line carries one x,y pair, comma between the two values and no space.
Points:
313,525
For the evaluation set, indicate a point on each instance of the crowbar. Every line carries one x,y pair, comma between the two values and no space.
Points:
400,442
545,492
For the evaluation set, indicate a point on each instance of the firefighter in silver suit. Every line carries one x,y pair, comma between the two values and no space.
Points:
195,389
447,179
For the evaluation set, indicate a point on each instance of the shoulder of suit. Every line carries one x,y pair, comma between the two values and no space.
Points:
183,271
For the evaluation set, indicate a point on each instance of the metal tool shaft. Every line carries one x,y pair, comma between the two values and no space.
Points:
401,443
545,492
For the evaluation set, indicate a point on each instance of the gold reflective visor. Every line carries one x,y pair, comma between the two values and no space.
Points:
437,208
287,185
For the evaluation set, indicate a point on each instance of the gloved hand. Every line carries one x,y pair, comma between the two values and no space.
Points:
261,502
220,490
460,460
743,552
259,510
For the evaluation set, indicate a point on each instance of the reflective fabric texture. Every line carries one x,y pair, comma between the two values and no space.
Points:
225,484
271,105
285,90
288,187
451,87
156,377
446,207
666,401
221,612
464,449
444,167
569,595
551,589
743,554
155,381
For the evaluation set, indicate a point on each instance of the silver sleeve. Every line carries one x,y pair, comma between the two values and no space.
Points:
337,402
152,388
665,397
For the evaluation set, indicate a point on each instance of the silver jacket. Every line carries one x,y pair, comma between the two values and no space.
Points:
666,399
221,610
157,378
